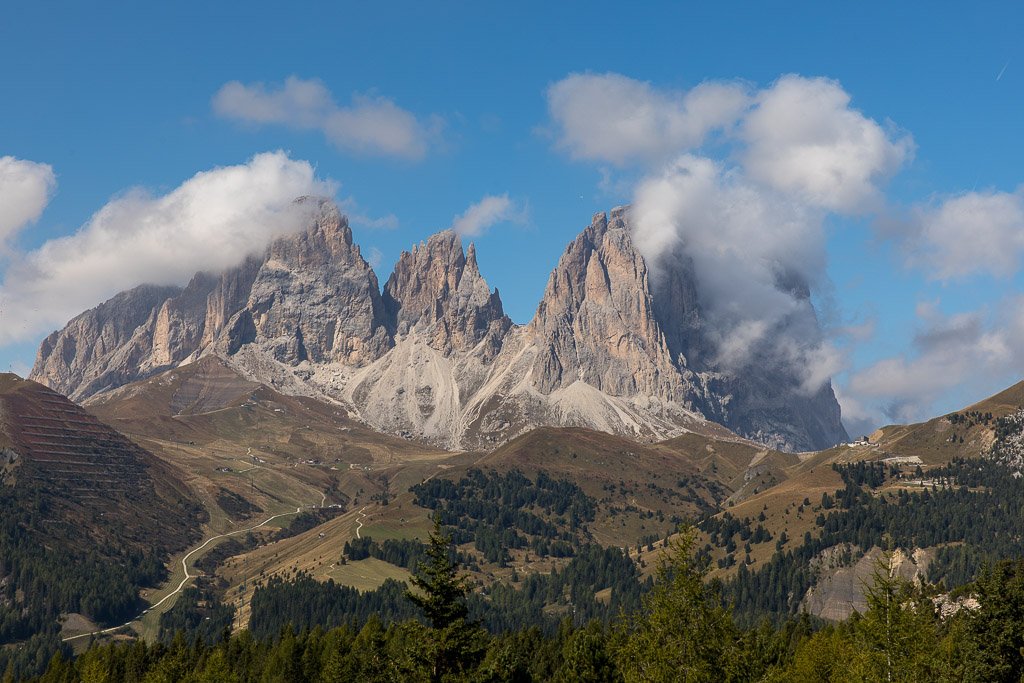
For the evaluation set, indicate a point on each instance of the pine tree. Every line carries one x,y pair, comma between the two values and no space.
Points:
451,645
897,631
682,632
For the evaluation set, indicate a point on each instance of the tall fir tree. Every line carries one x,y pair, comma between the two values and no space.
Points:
451,646
682,632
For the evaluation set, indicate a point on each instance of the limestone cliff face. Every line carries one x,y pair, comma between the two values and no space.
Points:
435,358
315,298
102,348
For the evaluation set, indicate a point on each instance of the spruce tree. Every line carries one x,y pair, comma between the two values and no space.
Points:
451,645
682,632
897,631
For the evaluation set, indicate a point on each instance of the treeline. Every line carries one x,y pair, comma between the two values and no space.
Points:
533,600
498,512
974,511
199,613
681,631
51,566
305,602
403,553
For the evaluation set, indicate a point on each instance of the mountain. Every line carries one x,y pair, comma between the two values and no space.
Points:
433,357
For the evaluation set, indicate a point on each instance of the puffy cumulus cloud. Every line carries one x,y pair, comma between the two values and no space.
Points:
211,221
799,136
613,118
755,254
371,125
973,232
25,190
485,213
971,350
804,139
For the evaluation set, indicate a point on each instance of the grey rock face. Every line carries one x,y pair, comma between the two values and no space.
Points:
101,348
435,357
314,298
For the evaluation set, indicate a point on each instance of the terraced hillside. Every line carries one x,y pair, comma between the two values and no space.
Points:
87,520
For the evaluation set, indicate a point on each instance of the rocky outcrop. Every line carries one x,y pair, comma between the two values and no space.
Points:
435,358
104,347
315,298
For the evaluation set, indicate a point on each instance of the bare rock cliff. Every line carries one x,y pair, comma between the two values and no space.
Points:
438,287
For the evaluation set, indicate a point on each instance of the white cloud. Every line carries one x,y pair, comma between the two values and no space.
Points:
371,125
973,232
610,117
211,221
973,351
25,190
858,419
804,139
798,136
485,213
755,254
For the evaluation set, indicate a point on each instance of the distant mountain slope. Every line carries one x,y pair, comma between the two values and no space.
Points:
87,518
435,358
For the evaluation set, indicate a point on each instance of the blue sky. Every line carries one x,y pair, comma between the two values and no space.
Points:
414,113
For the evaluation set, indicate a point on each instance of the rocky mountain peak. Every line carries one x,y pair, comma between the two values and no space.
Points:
424,279
439,289
597,318
315,298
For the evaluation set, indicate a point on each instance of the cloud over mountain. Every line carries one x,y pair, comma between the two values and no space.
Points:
211,221
749,208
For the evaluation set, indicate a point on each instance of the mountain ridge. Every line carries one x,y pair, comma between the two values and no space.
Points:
434,357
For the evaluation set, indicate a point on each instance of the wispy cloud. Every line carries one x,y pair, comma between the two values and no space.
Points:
487,212
974,350
359,218
371,125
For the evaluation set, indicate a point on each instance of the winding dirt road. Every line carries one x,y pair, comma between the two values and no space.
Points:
184,566
362,515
